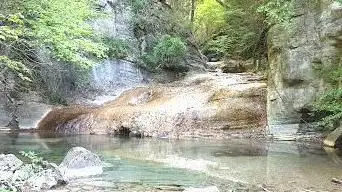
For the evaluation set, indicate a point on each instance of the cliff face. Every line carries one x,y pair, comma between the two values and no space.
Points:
296,56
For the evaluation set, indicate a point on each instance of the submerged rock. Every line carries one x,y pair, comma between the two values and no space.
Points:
79,162
202,105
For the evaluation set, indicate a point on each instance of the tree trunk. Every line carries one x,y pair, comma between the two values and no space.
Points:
192,14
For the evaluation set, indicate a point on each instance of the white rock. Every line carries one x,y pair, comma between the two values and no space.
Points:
9,162
205,189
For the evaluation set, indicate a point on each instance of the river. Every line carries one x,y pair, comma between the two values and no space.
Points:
141,164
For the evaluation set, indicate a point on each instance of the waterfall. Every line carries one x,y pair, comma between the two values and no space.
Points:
112,77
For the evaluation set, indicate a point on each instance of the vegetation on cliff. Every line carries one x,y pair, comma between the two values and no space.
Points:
39,38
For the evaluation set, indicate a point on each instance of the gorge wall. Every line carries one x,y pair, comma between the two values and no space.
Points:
297,54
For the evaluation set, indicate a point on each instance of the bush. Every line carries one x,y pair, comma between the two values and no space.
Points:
169,50
168,53
117,48
330,107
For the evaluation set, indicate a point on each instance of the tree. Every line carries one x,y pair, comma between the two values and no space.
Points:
231,28
34,31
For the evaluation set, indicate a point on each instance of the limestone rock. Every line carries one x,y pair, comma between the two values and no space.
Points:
201,105
24,173
5,175
296,56
9,162
43,180
79,162
15,176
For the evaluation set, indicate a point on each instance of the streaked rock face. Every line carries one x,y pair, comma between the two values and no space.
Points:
203,105
295,57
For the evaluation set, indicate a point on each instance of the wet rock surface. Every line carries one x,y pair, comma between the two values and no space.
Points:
79,162
201,105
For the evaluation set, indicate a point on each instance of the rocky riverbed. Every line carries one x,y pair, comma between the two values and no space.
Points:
38,175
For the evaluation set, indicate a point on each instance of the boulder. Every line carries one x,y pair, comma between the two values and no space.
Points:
9,163
15,176
24,173
79,162
45,179
334,139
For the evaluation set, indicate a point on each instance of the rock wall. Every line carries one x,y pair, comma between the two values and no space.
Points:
296,55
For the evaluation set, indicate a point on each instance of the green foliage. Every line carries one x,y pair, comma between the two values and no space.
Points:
210,19
68,35
37,162
117,48
158,25
238,28
169,49
13,27
167,53
16,67
33,31
330,107
277,11
232,28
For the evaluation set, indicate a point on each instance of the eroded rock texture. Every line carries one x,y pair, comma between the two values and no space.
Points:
297,55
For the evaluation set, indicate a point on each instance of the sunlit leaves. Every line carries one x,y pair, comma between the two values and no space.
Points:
210,18
16,67
12,27
168,52
62,27
229,27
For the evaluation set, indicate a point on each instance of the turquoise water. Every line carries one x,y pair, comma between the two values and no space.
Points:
151,163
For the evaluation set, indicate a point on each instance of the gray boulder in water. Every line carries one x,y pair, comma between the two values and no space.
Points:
79,162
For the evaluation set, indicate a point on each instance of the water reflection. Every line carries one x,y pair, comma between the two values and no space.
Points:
284,166
14,136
